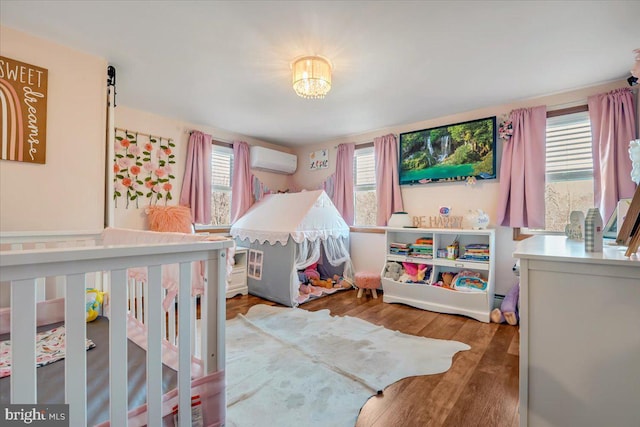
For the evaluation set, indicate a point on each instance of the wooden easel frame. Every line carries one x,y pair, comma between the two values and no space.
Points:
629,233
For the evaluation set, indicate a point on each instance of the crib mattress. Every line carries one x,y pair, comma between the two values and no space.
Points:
50,378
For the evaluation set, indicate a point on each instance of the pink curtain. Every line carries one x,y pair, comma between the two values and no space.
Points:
522,172
196,184
387,181
613,126
241,199
343,185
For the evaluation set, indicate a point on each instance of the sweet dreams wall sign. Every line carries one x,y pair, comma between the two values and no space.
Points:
23,111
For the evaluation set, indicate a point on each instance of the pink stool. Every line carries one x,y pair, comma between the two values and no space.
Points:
366,280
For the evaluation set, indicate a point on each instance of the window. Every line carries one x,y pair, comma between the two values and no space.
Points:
569,169
221,173
364,187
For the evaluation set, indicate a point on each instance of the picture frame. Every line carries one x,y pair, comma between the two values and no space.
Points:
454,152
616,219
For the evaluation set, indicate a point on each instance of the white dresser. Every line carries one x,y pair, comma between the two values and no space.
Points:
580,335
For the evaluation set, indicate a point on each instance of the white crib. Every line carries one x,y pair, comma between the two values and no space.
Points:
87,263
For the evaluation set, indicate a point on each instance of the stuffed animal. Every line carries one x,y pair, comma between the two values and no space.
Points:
93,301
327,283
447,278
305,289
393,271
341,282
416,272
508,310
311,272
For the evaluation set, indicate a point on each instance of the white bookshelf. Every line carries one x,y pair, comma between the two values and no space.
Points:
426,296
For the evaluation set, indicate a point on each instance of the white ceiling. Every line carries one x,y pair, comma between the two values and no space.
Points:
226,64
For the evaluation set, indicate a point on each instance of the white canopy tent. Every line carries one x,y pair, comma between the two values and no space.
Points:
290,230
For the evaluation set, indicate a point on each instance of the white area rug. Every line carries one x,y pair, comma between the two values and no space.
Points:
292,367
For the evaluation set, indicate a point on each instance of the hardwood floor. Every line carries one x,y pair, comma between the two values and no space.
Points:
480,388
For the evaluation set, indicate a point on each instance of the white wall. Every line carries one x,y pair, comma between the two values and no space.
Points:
66,193
178,130
424,200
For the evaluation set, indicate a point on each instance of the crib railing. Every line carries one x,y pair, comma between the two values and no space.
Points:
24,268
49,288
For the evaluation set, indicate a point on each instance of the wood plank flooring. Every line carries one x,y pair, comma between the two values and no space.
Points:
480,388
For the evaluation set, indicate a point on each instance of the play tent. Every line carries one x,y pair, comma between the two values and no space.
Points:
289,232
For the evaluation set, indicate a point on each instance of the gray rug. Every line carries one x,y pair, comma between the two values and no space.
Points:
292,367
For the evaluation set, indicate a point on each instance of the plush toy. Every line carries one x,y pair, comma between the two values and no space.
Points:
305,289
341,282
393,271
447,278
508,310
327,283
311,272
416,272
93,301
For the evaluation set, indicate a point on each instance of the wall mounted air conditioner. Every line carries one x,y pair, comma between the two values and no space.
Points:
270,160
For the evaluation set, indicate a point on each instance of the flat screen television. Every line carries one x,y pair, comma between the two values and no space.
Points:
449,153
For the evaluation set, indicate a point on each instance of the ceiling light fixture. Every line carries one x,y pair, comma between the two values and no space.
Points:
311,76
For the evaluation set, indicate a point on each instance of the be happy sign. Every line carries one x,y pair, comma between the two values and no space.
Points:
23,111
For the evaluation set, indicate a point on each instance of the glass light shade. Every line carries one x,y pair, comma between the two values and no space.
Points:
311,76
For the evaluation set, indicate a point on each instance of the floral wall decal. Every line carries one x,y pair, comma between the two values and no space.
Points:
505,131
143,168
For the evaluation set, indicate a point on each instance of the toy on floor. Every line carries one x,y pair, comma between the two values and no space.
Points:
341,282
311,272
327,283
508,311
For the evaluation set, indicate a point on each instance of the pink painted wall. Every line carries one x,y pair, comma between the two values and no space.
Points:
145,122
368,250
66,193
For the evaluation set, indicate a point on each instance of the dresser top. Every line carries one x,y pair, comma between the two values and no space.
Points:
559,248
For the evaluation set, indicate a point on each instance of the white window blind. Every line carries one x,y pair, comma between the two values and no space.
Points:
221,173
364,173
568,152
221,168
364,186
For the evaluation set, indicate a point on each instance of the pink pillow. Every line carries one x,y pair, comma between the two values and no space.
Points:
170,218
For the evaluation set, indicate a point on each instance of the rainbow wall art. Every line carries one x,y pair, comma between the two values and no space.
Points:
23,111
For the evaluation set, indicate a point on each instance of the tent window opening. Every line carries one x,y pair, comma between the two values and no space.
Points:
255,264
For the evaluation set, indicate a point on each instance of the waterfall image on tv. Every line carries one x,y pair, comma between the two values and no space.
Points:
449,153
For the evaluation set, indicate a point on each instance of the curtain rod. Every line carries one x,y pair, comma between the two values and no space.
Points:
215,141
368,143
143,134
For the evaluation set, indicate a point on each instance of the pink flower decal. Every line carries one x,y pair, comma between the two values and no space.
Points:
143,168
134,149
